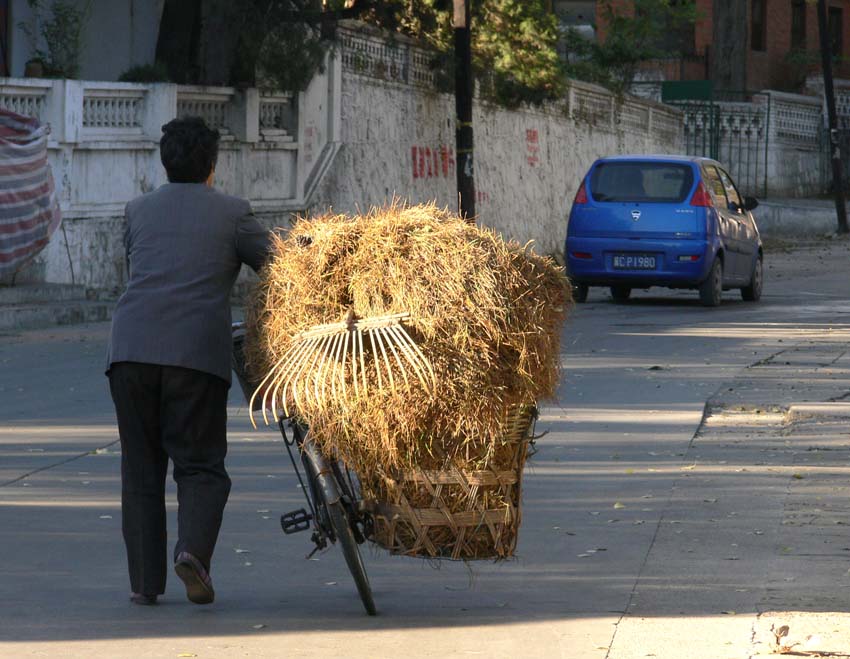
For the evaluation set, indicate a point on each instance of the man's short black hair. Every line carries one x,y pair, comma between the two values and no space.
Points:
188,150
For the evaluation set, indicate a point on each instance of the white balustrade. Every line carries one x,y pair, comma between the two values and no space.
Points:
278,117
797,122
634,117
212,104
26,97
396,60
112,109
592,106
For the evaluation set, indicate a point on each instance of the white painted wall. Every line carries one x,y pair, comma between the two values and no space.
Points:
119,34
359,141
103,151
398,140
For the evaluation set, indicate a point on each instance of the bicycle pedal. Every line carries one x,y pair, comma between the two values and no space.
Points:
297,520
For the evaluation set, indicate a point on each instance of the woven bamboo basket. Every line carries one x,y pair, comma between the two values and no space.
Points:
456,512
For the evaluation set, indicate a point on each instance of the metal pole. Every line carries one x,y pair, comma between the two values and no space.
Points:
829,93
464,87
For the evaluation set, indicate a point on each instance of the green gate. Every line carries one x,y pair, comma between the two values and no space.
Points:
730,127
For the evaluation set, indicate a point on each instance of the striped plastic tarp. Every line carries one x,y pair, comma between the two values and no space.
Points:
29,210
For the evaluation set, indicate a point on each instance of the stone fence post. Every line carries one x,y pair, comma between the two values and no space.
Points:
160,107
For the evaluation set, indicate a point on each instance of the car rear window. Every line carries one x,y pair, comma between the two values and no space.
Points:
658,182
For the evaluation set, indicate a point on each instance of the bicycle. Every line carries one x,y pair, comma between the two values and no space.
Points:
335,512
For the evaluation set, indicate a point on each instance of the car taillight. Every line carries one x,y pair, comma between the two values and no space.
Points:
582,255
581,195
701,196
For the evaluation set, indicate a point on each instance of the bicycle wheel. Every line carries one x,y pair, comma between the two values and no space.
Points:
338,519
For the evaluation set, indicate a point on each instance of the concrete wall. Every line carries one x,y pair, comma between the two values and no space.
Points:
797,218
119,34
369,128
398,140
103,151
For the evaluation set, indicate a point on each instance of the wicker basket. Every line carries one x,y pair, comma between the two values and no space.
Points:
419,515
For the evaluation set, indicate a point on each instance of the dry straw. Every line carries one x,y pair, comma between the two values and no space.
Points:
486,315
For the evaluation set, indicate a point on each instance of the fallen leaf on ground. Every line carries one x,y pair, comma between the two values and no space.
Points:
259,626
619,505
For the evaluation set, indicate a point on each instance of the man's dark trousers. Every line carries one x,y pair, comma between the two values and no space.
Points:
179,413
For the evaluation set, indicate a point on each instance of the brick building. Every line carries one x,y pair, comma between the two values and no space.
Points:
750,44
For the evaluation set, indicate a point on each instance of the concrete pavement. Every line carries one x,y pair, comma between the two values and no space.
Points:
685,500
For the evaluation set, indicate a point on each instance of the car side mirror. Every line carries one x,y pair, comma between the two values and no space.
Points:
750,203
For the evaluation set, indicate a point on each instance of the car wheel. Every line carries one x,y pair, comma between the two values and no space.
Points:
580,292
620,293
711,290
752,292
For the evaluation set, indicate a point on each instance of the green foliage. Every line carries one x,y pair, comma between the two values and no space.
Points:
157,72
282,43
59,26
289,58
632,38
514,48
272,47
516,44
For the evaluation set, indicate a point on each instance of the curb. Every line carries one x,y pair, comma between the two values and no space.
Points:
824,411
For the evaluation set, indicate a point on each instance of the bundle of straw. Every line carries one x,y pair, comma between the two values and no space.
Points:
486,315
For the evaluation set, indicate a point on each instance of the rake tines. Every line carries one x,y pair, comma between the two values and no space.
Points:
324,358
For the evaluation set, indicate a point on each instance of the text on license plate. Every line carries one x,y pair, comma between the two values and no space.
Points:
634,261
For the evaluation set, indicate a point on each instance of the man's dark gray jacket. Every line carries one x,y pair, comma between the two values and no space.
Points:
185,245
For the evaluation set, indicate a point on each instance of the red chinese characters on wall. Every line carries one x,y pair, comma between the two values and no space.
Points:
438,162
532,146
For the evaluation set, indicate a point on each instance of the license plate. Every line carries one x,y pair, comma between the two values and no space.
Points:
634,262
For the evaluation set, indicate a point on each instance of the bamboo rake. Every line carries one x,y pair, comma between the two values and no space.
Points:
323,358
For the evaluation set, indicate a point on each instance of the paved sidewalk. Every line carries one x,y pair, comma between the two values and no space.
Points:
764,487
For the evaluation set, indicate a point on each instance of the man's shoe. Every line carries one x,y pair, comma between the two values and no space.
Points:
199,589
143,600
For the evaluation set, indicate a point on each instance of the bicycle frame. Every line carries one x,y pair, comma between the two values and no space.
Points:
325,486
331,495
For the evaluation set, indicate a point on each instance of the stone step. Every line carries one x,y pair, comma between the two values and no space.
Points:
49,314
39,293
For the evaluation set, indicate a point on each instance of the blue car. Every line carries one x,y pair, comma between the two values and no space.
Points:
674,221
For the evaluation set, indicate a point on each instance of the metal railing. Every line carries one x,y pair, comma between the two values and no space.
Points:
734,129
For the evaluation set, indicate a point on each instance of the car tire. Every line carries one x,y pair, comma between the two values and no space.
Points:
580,292
620,293
752,291
711,290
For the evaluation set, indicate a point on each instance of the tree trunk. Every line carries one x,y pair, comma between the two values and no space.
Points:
218,42
179,39
730,45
